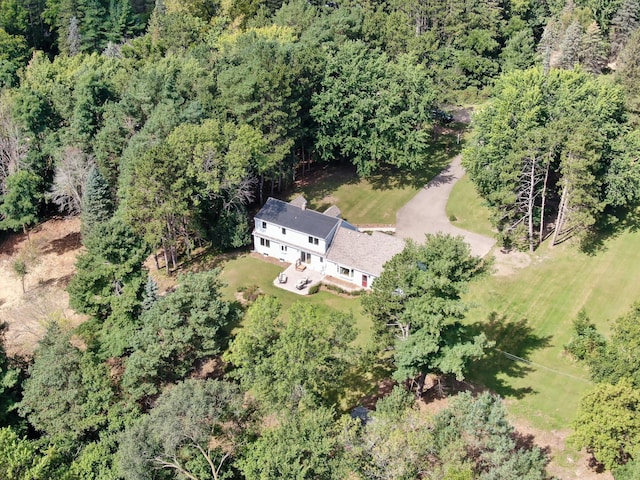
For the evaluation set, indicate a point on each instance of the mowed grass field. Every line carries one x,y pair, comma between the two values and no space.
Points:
529,313
472,219
377,198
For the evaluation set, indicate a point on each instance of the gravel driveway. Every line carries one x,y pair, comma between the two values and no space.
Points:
425,213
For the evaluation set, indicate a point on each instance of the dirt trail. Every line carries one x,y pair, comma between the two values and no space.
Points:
50,255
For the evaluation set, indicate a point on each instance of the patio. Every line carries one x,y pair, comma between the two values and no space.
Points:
294,276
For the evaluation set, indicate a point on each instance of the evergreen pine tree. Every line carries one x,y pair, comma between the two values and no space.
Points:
121,21
73,36
150,295
97,205
593,53
571,45
623,24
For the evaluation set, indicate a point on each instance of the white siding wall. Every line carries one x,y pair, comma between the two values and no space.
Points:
290,237
290,254
333,269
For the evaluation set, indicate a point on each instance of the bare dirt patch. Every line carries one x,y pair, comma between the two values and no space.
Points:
508,262
564,465
50,254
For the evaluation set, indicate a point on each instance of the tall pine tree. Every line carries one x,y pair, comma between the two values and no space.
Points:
97,205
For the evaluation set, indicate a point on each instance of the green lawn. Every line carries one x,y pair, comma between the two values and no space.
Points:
529,313
468,208
376,199
246,270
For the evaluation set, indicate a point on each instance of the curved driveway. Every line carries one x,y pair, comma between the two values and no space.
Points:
426,212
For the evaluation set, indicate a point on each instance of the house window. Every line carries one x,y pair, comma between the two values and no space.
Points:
284,231
265,242
345,272
264,224
313,240
283,248
321,259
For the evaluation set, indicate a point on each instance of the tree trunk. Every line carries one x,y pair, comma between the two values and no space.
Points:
561,213
260,187
166,257
420,387
530,203
155,257
544,198
174,257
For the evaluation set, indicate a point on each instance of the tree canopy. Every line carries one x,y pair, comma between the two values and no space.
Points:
416,305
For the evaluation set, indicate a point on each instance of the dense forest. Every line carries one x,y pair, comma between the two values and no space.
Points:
163,125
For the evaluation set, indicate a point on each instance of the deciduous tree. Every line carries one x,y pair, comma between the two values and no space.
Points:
193,430
416,305
305,445
301,362
607,423
373,111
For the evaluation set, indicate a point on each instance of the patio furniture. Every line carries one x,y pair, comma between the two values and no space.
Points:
282,278
302,283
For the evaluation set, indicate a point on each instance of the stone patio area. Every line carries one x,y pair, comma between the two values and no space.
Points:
294,276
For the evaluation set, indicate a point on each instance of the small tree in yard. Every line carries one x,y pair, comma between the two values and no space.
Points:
20,270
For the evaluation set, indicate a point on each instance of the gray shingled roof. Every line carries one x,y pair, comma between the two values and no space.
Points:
299,201
304,221
332,211
364,252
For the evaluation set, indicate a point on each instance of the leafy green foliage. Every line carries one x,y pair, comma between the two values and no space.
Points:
109,276
150,294
67,393
304,446
97,205
396,443
418,296
20,458
9,384
620,357
387,120
194,430
541,138
177,331
21,200
475,432
470,439
301,362
586,342
607,423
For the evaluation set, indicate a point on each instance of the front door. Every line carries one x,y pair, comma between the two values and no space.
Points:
364,281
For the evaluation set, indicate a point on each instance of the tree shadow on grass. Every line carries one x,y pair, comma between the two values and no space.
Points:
438,157
322,182
514,343
613,225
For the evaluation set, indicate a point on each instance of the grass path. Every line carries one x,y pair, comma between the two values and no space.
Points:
529,313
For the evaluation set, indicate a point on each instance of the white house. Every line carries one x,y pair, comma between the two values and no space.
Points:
322,241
